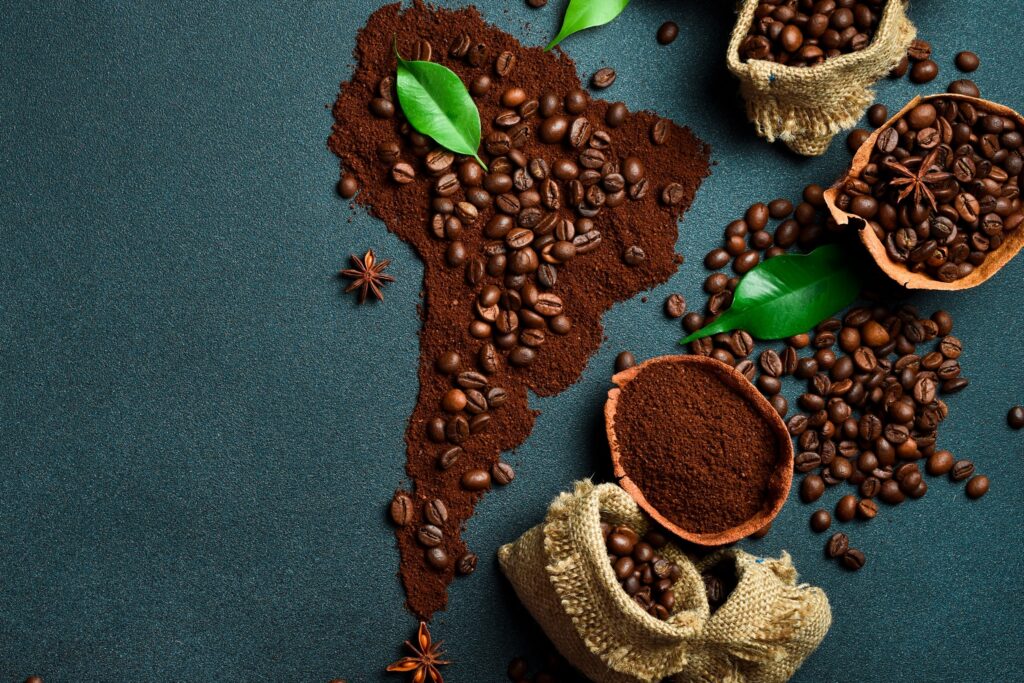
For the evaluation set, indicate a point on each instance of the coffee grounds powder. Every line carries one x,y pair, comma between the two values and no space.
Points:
698,448
588,284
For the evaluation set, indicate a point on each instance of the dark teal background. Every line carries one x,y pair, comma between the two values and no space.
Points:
199,433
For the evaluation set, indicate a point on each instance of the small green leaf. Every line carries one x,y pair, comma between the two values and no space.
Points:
438,105
583,14
789,295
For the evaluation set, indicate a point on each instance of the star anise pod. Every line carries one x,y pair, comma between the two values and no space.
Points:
919,183
426,659
367,276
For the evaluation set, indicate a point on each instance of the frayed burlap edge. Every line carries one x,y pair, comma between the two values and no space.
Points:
805,107
765,630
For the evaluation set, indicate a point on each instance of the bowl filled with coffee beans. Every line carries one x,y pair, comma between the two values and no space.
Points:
935,192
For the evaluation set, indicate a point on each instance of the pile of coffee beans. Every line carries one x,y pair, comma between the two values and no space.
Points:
807,32
873,406
942,188
766,230
433,522
644,575
536,213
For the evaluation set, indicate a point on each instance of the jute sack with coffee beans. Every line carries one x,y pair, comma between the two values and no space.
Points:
806,106
561,572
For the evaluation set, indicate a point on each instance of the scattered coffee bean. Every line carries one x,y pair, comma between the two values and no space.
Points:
820,521
837,545
466,564
668,32
401,509
962,469
924,71
603,78
502,473
624,361
1015,418
977,486
476,480
967,61
964,86
877,115
348,186
633,255
675,307
853,559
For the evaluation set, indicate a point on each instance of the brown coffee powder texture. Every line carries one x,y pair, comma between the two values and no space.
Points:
588,284
700,451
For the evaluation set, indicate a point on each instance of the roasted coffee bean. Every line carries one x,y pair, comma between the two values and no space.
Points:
820,521
633,255
522,356
624,361
476,480
429,536
877,115
977,486
771,363
382,108
449,457
457,429
837,545
962,469
435,512
811,488
853,559
466,564
436,429
967,61
807,461
504,62
502,473
846,508
437,558
603,78
675,307
401,509
667,32
1015,417
867,508
660,132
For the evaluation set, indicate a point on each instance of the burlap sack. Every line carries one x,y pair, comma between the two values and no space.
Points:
560,571
806,107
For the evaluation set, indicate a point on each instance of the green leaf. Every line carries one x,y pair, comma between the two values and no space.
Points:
789,295
437,104
583,14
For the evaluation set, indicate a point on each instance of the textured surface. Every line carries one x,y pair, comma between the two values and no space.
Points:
200,434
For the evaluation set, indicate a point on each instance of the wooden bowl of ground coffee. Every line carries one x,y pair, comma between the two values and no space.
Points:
698,448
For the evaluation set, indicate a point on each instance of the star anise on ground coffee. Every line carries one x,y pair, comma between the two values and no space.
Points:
367,276
425,661
918,183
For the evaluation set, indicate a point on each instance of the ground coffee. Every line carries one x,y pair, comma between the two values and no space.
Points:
455,434
699,449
